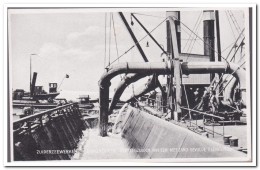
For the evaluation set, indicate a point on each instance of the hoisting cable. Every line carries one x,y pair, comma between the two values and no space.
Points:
109,39
199,38
194,40
191,35
115,40
234,44
148,15
193,44
230,25
240,45
138,42
105,40
132,15
115,36
241,58
232,17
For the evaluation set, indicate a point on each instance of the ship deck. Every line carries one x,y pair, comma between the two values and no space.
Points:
234,130
92,146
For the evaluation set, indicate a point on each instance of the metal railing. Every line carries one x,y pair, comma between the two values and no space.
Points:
29,119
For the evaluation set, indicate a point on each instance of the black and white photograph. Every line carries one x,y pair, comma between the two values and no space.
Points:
156,84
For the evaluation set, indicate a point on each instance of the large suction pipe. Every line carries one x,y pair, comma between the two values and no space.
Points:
151,85
104,84
239,77
158,68
122,86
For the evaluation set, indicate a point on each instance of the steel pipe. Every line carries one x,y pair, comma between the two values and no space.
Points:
151,85
122,86
240,77
159,69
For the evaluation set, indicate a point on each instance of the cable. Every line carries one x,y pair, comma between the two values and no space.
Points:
148,15
233,18
190,34
105,40
116,41
109,38
241,58
115,36
240,46
230,25
196,31
232,44
137,42
199,38
235,42
194,28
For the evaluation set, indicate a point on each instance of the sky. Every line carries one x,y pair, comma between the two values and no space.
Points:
72,41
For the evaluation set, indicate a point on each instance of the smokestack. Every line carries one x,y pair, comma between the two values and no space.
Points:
208,36
33,83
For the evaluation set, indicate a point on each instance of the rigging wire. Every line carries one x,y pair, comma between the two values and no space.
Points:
233,18
138,42
240,46
230,25
241,58
117,53
232,44
199,37
109,38
190,34
115,36
195,40
148,15
235,43
105,40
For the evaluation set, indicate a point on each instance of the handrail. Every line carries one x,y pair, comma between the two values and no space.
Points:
24,119
222,118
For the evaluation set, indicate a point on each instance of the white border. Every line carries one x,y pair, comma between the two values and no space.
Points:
135,163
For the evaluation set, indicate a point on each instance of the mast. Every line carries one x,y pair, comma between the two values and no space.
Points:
219,50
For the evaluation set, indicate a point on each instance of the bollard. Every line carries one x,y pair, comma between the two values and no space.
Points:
233,141
226,139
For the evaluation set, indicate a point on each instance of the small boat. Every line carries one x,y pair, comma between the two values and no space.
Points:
37,97
85,102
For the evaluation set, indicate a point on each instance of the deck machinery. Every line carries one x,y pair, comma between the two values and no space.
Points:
205,86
